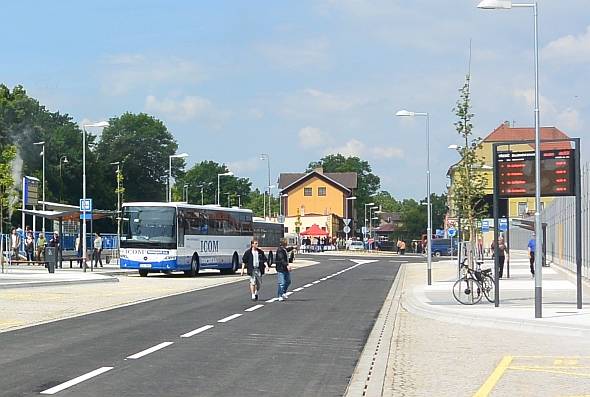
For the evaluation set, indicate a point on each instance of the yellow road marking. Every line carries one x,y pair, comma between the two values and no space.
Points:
565,362
541,369
490,383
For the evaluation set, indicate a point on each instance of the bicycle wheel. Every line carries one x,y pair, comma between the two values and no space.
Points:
467,291
489,288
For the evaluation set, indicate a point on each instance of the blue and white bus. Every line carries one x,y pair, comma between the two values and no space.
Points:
164,237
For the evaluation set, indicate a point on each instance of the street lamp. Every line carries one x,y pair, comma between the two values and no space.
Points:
228,203
269,210
170,172
201,186
185,193
347,225
229,173
503,4
84,201
366,205
405,113
118,164
239,200
42,143
64,160
262,156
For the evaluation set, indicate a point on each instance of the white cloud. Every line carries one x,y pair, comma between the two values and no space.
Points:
569,49
545,105
126,72
388,152
310,52
191,107
311,102
569,120
357,148
310,137
246,167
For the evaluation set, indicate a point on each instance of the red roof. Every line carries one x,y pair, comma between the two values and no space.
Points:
505,133
314,230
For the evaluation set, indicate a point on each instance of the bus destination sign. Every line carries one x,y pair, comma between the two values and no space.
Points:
516,173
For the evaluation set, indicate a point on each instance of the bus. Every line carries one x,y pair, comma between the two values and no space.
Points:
165,237
268,234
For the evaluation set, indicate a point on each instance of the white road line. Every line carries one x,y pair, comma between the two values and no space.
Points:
150,350
398,261
229,318
315,282
197,331
288,293
77,380
251,309
323,279
308,285
342,259
298,289
272,300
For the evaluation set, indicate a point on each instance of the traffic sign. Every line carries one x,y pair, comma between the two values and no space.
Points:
281,218
451,231
86,205
346,221
502,224
346,229
485,225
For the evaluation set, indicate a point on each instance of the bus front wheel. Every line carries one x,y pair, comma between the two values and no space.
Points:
143,273
194,268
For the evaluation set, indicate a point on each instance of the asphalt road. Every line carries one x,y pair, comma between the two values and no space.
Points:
306,346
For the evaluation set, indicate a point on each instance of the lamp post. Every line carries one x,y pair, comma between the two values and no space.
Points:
118,164
503,4
239,200
348,198
405,113
365,232
262,156
99,124
42,143
229,173
228,198
170,172
185,193
269,210
62,160
201,186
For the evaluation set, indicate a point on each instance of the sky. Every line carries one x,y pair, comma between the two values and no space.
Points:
300,80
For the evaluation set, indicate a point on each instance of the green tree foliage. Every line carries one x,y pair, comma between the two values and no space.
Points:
145,144
205,174
469,182
7,156
367,182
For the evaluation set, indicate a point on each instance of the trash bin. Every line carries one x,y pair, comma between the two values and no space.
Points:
50,258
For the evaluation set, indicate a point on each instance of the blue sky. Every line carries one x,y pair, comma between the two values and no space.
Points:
303,79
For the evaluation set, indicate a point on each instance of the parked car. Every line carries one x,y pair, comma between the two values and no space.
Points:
442,246
356,246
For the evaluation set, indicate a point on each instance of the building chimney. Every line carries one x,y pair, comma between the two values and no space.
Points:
507,123
319,170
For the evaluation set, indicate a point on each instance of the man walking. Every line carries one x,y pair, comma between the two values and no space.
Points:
283,268
255,262
531,249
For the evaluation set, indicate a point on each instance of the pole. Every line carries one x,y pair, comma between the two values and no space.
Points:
84,248
169,177
429,226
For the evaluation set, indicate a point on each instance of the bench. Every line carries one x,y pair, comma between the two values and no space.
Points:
18,262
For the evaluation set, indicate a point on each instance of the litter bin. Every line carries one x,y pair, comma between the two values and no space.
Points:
50,258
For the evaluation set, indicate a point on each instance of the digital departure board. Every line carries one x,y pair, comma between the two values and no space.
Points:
516,173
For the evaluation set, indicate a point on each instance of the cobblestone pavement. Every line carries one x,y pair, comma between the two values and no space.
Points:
433,358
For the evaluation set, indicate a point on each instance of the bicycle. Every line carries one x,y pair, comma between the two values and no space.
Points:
469,289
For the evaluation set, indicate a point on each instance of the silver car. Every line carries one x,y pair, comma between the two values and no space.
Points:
356,246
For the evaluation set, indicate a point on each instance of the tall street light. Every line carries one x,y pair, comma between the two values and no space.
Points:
170,172
228,196
262,156
348,225
405,113
42,144
201,186
118,164
185,192
84,206
269,211
229,173
503,4
62,160
366,205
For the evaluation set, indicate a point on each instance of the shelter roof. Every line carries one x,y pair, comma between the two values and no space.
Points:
314,230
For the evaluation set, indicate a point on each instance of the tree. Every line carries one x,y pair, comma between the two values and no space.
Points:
146,145
386,202
367,182
469,183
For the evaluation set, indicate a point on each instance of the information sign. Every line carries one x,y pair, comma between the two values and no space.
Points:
452,231
516,173
502,224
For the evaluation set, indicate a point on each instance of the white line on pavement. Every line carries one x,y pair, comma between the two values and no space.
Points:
308,285
197,331
77,380
298,289
150,350
315,282
229,318
251,309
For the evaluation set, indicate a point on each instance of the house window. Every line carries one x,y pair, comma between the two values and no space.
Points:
307,191
521,207
321,191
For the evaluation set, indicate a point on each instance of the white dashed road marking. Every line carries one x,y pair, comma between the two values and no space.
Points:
77,380
150,350
229,318
197,331
251,309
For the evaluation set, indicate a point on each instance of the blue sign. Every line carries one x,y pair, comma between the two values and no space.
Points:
85,205
88,215
451,231
440,232
485,226
503,224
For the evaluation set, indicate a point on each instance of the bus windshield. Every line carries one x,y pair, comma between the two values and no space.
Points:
149,226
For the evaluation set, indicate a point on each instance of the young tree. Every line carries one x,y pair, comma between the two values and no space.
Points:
469,182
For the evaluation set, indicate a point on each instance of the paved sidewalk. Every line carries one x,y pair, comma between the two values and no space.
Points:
517,300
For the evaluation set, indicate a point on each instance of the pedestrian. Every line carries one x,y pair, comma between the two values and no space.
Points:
14,244
283,268
78,247
399,243
255,263
97,249
30,246
502,255
531,249
41,243
54,242
402,247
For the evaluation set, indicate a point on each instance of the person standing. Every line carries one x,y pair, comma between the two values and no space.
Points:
97,244
502,255
255,263
41,243
14,244
531,249
30,246
78,247
283,268
402,247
